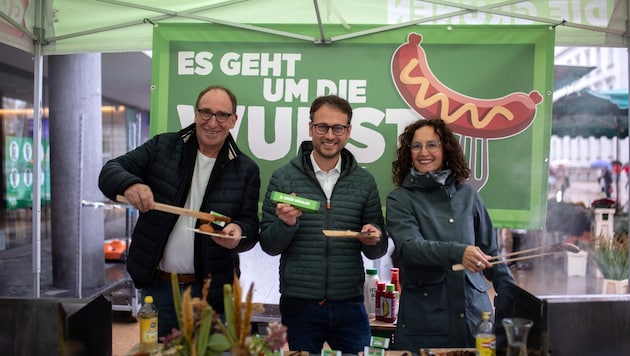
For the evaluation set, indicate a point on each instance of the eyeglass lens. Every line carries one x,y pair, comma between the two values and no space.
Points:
337,130
206,115
430,146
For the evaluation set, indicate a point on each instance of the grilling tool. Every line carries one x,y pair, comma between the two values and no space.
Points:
526,254
181,211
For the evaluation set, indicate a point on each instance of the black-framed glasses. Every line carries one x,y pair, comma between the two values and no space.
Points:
338,130
431,146
206,115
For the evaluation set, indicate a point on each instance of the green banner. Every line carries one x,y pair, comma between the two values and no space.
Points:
491,83
18,167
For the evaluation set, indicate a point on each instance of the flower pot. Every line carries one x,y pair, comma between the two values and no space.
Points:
604,222
613,286
576,263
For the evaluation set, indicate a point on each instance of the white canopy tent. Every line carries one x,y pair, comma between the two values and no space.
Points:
48,27
73,26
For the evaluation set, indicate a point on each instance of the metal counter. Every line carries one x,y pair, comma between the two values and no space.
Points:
568,325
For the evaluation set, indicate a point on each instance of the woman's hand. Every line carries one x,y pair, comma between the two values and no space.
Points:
475,260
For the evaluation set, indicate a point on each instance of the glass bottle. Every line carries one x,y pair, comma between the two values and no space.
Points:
485,339
369,290
148,316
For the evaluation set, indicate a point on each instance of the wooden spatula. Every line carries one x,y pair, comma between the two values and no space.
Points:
181,211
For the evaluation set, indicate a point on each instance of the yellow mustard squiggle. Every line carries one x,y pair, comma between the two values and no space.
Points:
422,101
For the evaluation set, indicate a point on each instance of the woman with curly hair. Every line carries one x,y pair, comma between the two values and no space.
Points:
436,221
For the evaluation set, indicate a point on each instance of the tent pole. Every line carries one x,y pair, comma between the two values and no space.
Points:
322,37
628,118
618,175
37,166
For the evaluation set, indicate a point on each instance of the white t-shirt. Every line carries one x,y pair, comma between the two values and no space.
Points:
179,252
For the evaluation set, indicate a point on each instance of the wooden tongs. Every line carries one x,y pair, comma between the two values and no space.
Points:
548,250
181,211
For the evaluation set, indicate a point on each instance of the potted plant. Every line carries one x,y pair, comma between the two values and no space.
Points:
604,217
604,203
610,254
203,332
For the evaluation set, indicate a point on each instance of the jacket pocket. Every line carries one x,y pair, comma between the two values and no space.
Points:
424,308
477,282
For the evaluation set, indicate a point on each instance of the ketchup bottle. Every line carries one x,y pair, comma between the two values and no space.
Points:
389,304
378,308
395,280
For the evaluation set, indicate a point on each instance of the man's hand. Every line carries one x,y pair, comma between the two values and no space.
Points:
288,214
373,238
140,197
234,234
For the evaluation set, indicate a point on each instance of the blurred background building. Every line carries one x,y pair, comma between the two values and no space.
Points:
125,89
603,70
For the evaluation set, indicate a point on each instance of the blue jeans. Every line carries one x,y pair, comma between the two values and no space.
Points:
163,299
344,325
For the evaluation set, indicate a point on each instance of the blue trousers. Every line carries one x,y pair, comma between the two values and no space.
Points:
344,325
163,299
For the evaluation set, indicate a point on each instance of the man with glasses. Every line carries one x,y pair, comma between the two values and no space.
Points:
321,278
198,168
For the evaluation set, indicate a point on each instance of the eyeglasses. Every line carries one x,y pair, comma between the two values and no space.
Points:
338,130
431,146
206,115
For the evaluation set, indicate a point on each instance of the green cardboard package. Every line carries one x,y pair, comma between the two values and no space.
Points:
302,203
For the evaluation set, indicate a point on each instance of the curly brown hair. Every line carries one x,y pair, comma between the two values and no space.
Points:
453,155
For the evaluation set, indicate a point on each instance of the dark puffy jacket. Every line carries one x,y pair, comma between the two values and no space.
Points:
166,163
313,266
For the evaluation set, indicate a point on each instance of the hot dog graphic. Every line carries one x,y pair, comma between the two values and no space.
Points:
468,116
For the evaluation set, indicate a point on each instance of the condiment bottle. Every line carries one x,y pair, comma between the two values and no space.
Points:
148,316
485,339
378,305
389,304
369,291
395,280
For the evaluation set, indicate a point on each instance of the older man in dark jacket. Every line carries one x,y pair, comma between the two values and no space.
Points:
199,168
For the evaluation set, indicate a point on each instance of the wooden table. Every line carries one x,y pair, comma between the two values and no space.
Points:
381,325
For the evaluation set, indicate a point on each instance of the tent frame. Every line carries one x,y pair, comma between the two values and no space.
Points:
40,42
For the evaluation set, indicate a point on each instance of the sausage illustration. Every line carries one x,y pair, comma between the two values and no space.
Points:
468,116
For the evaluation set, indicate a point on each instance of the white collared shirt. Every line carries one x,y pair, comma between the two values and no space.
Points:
327,180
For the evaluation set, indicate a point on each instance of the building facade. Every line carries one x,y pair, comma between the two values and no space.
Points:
610,73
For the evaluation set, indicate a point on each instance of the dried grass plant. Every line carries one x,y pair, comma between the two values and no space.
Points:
202,332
